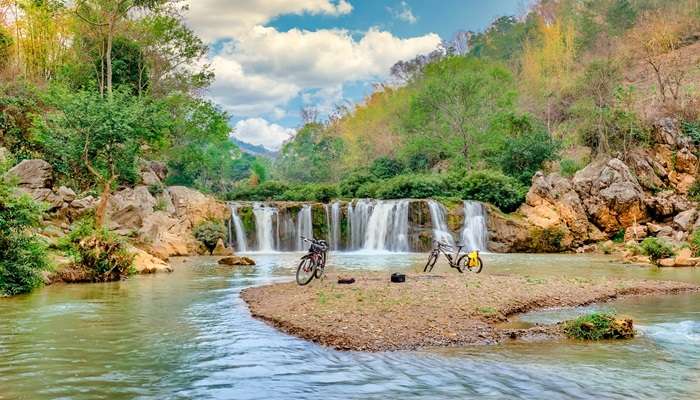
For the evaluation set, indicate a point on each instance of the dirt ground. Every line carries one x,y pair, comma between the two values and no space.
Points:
374,314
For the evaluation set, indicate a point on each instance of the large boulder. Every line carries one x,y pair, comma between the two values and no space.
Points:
650,172
236,260
552,203
127,208
32,174
165,236
507,233
194,207
684,221
145,263
686,161
611,195
666,204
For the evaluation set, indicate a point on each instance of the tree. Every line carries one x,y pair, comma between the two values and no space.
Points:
103,138
106,17
22,255
457,103
308,157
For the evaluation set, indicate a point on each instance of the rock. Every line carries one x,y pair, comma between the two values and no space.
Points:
552,203
145,263
159,168
666,204
653,228
591,248
221,249
649,171
636,233
686,161
32,174
667,262
666,232
47,196
236,260
67,194
507,233
127,208
666,131
165,236
685,220
149,178
611,195
683,258
194,207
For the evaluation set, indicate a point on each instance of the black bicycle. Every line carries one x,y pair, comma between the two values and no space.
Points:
313,263
461,262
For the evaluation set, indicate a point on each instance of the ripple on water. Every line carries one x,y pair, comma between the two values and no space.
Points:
189,335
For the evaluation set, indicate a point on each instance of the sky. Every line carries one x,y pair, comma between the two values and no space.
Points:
274,57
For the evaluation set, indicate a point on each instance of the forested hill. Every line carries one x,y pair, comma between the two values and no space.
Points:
567,83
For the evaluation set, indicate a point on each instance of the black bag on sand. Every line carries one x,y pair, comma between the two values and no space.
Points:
398,278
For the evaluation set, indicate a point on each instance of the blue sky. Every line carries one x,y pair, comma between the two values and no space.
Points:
272,57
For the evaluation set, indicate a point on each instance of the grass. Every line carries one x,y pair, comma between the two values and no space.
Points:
598,326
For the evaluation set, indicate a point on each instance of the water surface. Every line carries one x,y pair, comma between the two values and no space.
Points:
188,335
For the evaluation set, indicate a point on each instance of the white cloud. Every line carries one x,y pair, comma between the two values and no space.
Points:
216,19
259,131
404,13
263,69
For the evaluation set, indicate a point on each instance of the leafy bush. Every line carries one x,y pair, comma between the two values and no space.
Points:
102,253
22,254
385,168
348,187
523,155
547,240
695,243
209,233
598,326
411,186
692,130
311,192
694,191
656,249
619,236
268,190
502,191
569,168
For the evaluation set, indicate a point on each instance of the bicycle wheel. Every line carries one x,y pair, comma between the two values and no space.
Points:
306,271
432,259
320,267
476,268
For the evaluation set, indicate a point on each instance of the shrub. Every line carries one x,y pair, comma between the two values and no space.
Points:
103,254
598,326
619,236
694,191
569,168
656,249
348,187
385,168
502,191
22,254
411,186
311,192
209,233
522,156
547,240
694,243
692,130
265,191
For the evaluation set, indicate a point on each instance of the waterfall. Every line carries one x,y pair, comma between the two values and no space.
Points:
475,232
264,227
304,226
440,231
334,228
387,227
358,218
241,239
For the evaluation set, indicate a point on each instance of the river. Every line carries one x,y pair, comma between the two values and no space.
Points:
188,335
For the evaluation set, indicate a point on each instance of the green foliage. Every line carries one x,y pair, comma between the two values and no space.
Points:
269,190
692,130
349,186
569,168
694,191
695,243
103,254
492,187
455,109
656,249
209,233
621,16
547,240
385,168
310,192
619,236
310,156
105,134
525,153
19,107
410,186
503,40
129,67
22,254
597,326
5,46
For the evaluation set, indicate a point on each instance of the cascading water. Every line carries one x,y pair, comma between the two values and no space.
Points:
475,232
358,219
264,227
241,240
441,232
304,226
387,228
335,226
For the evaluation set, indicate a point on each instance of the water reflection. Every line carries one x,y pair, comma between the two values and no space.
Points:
189,335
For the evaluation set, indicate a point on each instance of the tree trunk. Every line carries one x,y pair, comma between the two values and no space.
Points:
108,56
101,209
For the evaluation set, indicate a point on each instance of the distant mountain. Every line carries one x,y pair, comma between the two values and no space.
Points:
253,149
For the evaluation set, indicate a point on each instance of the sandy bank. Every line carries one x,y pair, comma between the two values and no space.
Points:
429,310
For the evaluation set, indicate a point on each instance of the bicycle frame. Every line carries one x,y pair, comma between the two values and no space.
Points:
441,248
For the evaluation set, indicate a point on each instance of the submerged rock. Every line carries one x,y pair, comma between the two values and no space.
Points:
236,260
221,249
